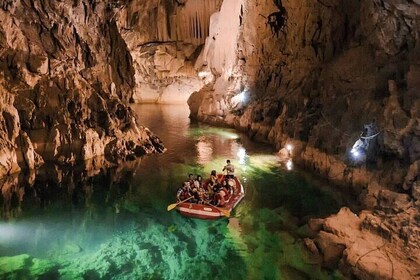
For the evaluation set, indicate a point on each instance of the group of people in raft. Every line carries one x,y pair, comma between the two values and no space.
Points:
213,191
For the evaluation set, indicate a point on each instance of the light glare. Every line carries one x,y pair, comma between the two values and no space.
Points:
241,155
355,153
240,98
289,165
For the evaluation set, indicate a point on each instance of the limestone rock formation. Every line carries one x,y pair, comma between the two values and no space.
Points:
324,76
9,131
164,39
368,247
66,77
317,75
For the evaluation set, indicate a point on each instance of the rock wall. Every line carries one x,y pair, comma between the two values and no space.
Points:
9,131
317,74
164,39
327,77
66,80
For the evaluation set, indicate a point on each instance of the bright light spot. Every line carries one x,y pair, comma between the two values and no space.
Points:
240,98
7,231
228,135
358,149
289,164
289,147
241,155
12,233
355,153
203,74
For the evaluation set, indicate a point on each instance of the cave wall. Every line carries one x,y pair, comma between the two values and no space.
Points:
66,79
9,131
319,75
315,73
164,39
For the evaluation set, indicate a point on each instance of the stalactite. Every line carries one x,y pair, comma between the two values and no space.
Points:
190,22
193,26
197,26
200,20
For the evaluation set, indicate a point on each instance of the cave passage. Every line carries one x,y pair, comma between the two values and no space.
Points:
83,222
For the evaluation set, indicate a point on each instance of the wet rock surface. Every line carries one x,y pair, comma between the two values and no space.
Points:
66,79
320,79
25,266
313,74
321,76
370,245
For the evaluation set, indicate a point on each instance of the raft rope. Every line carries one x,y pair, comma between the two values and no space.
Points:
369,137
344,133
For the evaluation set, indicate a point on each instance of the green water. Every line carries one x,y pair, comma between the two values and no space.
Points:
92,222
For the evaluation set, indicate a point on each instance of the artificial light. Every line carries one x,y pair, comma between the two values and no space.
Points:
289,165
241,155
240,98
355,153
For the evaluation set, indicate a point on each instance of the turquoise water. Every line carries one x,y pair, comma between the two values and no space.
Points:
92,222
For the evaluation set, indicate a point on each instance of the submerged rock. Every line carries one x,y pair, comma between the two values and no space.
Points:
26,267
14,264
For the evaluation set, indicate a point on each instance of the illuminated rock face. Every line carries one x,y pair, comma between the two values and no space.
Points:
369,246
164,39
9,131
316,74
66,77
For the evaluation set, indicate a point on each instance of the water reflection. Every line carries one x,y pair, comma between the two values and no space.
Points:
98,220
73,186
204,151
241,155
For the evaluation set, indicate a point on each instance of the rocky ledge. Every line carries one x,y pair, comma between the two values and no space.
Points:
379,244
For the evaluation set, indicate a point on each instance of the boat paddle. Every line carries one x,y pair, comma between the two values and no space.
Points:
225,212
174,205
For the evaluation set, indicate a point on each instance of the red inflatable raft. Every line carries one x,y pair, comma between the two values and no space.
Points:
207,211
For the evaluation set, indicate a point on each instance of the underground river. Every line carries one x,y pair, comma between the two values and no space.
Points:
93,222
